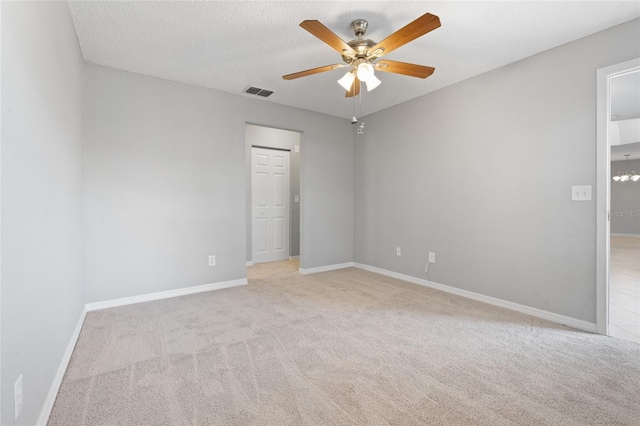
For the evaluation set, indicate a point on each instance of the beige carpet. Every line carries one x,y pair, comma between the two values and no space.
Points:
346,347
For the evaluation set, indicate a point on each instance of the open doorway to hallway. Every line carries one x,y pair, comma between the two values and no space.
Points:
275,230
624,264
618,260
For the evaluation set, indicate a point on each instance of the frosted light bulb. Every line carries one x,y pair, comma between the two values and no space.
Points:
365,71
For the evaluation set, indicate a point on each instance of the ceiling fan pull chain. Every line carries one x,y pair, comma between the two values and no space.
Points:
354,120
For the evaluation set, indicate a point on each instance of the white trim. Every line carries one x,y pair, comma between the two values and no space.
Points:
1,196
164,294
294,257
603,181
249,263
539,313
62,368
326,268
615,234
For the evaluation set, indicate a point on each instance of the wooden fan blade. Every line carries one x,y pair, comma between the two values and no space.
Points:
325,34
404,68
312,71
404,35
355,89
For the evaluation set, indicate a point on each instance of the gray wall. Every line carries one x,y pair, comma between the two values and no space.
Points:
480,172
625,200
282,139
42,291
165,183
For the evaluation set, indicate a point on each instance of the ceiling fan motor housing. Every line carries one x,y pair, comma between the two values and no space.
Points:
360,45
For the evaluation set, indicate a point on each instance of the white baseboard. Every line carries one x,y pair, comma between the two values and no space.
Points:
326,268
57,381
624,235
164,294
294,257
539,313
62,368
249,263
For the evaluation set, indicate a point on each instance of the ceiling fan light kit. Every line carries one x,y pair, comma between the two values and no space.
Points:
365,73
361,54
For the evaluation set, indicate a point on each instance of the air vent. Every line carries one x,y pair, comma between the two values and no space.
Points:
258,91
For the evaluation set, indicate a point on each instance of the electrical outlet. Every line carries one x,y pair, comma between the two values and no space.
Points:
432,257
18,397
212,260
398,251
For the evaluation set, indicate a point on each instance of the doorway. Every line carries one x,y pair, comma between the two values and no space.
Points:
274,140
618,227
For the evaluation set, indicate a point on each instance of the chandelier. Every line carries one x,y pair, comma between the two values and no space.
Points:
627,176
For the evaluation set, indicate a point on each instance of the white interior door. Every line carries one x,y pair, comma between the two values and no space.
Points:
270,204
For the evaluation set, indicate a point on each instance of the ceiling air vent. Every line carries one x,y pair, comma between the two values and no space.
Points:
258,91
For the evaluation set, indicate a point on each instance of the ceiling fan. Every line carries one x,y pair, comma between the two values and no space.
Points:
360,54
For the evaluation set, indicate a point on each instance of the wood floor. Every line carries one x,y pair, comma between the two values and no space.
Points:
624,288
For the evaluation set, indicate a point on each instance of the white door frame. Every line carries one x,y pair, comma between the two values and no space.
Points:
603,182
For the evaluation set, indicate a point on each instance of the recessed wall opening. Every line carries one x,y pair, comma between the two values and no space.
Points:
273,194
624,265
618,218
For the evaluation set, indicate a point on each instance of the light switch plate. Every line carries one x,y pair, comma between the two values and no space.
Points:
296,198
581,193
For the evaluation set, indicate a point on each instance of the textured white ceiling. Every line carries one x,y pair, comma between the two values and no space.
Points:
229,45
